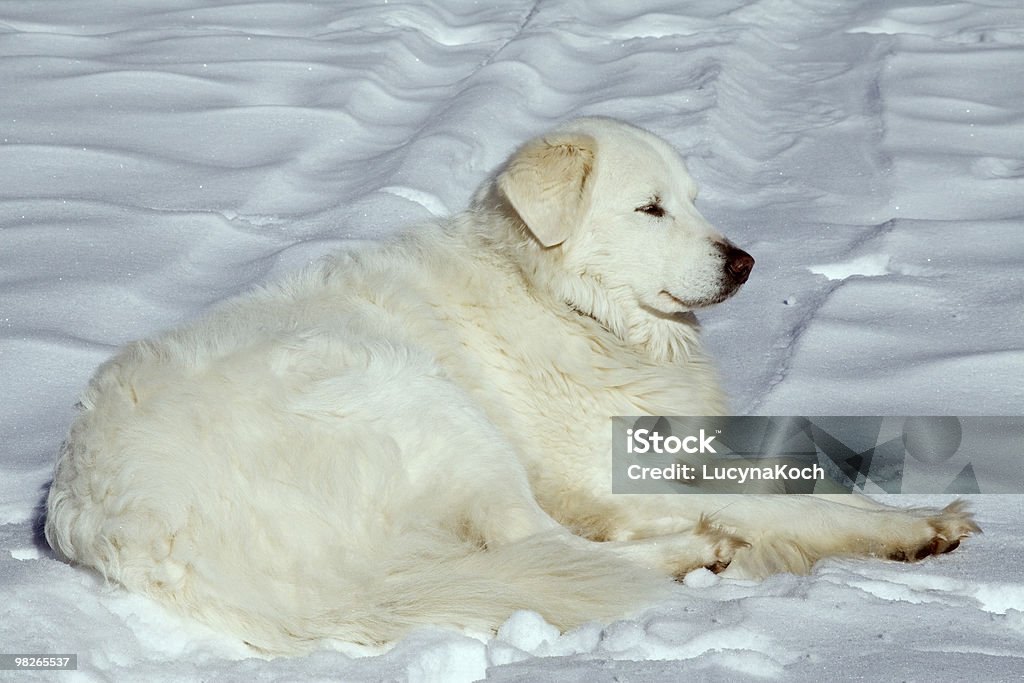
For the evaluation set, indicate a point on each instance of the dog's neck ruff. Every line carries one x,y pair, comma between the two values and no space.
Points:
661,338
671,340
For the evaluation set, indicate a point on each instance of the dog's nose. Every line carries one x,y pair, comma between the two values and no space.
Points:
738,264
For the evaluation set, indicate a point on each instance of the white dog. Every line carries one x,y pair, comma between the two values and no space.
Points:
406,435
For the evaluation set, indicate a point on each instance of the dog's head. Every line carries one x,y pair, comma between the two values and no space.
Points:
611,209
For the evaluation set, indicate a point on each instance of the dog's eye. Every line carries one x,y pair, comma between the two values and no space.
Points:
653,209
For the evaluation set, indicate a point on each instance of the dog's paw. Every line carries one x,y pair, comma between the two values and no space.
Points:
720,547
947,528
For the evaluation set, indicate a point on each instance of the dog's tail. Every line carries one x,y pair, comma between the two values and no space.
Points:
429,580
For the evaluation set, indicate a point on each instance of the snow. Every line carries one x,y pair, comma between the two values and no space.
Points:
160,155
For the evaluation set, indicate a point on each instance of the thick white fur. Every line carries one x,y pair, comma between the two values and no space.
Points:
406,435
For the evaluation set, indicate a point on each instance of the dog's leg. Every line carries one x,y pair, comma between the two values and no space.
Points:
702,545
510,518
790,532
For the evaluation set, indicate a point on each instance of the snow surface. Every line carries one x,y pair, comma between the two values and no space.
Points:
160,155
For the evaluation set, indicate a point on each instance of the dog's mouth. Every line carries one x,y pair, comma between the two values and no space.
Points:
672,300
677,304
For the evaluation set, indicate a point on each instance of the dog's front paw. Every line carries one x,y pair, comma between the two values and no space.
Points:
948,527
720,547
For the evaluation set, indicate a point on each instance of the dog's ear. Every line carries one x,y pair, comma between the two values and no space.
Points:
547,184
